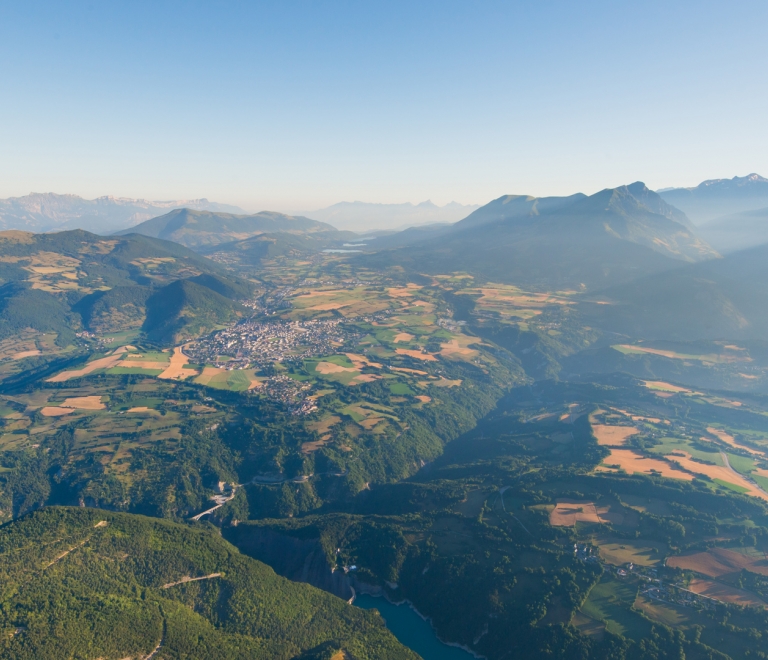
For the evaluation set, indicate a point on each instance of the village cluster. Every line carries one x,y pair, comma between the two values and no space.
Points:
292,394
655,588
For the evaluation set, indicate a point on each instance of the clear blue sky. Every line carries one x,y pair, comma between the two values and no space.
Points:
297,105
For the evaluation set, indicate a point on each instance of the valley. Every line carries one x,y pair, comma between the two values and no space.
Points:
520,459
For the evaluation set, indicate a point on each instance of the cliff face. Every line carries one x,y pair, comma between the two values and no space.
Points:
301,560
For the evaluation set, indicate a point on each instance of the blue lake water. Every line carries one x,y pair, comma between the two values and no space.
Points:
412,630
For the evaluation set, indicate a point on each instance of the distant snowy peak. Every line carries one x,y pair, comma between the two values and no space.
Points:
735,182
41,212
715,198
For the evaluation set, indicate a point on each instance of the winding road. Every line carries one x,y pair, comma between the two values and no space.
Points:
265,481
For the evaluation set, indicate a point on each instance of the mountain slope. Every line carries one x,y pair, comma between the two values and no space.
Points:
79,261
718,299
23,307
66,281
511,207
84,583
229,287
48,211
615,235
252,251
185,309
738,231
199,229
719,197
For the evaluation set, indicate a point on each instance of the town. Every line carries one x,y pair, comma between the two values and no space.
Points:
257,344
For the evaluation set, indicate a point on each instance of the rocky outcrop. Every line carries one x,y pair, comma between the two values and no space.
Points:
301,560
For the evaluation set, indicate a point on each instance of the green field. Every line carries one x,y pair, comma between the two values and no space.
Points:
400,388
611,601
668,445
730,486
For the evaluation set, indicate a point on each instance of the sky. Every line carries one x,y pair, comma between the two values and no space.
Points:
289,105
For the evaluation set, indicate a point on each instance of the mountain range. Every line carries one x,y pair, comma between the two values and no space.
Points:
41,212
737,231
574,242
716,198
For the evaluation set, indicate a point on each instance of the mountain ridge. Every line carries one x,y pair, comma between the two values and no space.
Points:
715,198
558,242
205,229
711,300
41,212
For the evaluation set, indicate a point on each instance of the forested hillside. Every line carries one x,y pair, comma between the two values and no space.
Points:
60,292
84,583
204,229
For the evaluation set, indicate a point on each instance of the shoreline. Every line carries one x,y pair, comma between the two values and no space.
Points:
405,601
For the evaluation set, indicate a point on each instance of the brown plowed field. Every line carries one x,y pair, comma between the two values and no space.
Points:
730,440
101,363
568,512
725,594
405,370
331,368
360,361
427,357
84,403
140,364
177,370
719,561
613,435
53,411
632,462
209,373
717,472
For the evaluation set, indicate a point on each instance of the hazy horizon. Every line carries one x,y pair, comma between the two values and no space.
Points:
296,211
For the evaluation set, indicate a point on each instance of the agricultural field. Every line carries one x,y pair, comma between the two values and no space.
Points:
722,562
566,513
611,602
109,424
619,552
729,354
130,360
655,445
725,593
510,304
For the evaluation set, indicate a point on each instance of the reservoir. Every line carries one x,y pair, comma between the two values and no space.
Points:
411,630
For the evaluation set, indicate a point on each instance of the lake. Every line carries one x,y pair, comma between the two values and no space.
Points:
412,630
